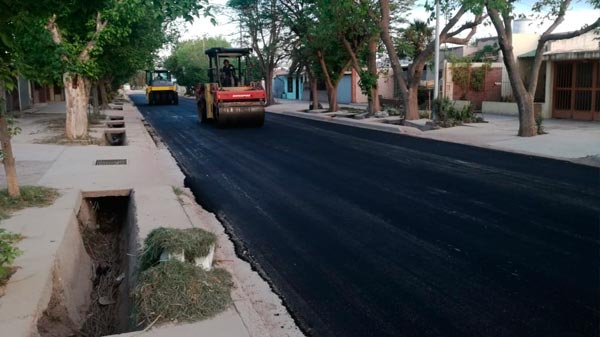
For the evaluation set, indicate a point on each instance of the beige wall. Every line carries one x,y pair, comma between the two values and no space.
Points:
524,42
586,41
385,83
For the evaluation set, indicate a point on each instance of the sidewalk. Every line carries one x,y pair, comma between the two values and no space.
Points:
576,141
52,246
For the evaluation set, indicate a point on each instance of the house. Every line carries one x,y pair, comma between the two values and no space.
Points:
572,78
46,93
287,86
27,93
568,81
495,86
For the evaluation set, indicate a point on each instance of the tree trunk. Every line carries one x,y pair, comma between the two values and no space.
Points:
412,103
77,97
7,154
527,124
314,92
390,47
330,83
103,95
8,159
269,88
374,105
332,96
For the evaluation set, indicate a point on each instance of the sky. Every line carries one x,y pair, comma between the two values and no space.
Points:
581,13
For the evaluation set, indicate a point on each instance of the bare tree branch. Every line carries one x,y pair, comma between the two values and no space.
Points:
568,35
53,29
100,25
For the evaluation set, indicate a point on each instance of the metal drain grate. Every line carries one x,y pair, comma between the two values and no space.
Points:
111,162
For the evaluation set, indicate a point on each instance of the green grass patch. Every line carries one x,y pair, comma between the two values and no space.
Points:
179,291
177,190
31,196
194,242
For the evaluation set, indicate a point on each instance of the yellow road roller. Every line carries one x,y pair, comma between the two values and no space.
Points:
160,88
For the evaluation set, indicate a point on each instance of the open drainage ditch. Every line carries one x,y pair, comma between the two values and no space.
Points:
98,303
115,137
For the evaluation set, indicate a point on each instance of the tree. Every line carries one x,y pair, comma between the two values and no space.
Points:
7,71
188,62
298,20
501,14
414,39
409,86
323,39
263,23
6,132
357,26
82,32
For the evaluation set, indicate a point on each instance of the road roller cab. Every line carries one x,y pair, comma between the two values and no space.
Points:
160,88
229,98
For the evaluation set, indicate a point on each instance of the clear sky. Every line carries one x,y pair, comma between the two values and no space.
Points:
581,13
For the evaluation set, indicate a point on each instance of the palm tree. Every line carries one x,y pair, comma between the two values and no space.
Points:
414,39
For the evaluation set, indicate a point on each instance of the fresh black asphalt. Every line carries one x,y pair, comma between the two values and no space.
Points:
366,233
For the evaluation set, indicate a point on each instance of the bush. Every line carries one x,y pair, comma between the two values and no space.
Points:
465,115
8,253
446,115
441,108
539,120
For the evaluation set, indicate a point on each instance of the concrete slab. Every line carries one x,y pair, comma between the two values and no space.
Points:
28,291
157,206
226,324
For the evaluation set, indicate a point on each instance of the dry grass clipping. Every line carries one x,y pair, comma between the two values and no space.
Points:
174,291
194,242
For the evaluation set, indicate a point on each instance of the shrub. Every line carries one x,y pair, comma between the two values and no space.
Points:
446,115
441,108
8,253
539,120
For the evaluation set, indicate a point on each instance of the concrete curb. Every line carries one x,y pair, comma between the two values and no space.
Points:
420,131
365,124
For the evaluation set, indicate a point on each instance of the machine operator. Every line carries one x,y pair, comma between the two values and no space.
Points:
228,74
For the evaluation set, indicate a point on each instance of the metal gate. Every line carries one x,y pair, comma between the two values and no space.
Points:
577,90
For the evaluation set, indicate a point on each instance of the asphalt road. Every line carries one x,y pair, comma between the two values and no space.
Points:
365,233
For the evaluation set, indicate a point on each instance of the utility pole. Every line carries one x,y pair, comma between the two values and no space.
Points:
436,77
436,81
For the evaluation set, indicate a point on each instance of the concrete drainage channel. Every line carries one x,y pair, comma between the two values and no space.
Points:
114,134
95,303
